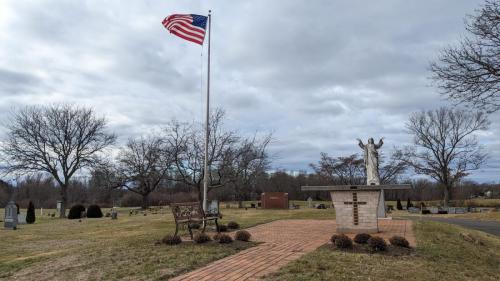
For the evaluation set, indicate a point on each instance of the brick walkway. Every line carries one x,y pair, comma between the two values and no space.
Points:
284,241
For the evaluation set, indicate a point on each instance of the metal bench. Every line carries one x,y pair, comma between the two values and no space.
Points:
192,212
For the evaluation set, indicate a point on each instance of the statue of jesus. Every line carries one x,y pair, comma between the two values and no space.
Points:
371,160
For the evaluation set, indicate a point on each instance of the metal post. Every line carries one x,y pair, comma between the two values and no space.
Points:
207,124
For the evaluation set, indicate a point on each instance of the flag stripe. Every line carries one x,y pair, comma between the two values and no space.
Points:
181,35
188,27
188,32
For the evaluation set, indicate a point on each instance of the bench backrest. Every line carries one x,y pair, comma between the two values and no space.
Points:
187,211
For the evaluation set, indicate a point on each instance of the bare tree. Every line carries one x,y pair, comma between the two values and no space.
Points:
446,147
470,72
392,169
187,142
351,169
248,161
143,164
346,170
57,139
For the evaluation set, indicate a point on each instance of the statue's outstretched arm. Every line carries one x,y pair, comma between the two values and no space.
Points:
360,143
380,143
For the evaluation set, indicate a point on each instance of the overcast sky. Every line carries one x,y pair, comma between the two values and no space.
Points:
318,74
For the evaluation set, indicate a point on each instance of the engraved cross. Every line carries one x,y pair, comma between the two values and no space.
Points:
355,204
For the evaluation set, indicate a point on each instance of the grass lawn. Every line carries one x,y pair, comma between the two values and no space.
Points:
442,255
123,249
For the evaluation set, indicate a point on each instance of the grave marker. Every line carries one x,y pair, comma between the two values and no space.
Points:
11,218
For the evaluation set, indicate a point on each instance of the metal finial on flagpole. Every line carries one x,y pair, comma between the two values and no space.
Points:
207,124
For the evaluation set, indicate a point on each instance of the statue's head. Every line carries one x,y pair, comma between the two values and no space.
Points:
370,140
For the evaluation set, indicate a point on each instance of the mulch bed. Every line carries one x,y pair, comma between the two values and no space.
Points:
364,249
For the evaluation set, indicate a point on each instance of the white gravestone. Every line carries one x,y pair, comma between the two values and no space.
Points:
310,202
59,207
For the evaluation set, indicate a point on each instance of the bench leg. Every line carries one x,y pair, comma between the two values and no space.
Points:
217,226
204,226
190,231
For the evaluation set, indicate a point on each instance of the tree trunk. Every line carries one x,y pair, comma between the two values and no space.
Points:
446,196
64,200
145,203
200,195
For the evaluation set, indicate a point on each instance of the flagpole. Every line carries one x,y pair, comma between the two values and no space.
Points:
207,124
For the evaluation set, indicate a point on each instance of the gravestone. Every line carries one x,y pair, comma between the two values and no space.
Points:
213,207
274,200
59,207
310,202
460,210
10,219
21,218
413,210
114,214
433,210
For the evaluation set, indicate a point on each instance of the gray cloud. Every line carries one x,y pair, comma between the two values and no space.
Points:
316,73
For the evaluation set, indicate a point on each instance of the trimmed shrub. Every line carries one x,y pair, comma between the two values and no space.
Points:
343,242
377,244
76,212
399,206
94,211
362,238
233,225
225,239
171,239
399,241
222,227
408,204
30,214
243,235
334,237
201,238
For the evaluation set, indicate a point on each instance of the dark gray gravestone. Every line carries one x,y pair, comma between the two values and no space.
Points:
10,220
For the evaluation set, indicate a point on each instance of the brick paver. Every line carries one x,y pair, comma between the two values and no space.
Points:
284,241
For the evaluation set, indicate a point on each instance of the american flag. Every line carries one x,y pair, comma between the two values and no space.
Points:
190,27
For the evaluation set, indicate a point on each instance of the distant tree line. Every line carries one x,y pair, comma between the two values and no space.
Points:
44,192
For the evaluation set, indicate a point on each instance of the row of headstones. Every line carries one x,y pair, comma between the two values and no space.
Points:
436,210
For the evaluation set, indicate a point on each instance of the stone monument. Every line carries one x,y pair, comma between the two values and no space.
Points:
371,163
10,219
357,207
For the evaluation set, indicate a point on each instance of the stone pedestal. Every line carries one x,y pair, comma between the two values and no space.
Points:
356,212
356,207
